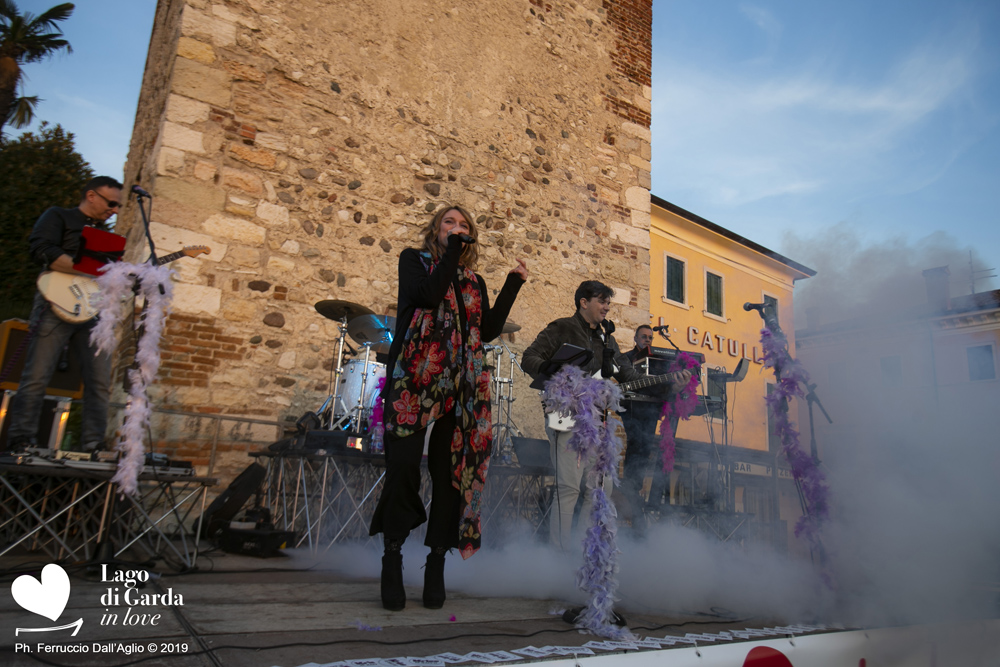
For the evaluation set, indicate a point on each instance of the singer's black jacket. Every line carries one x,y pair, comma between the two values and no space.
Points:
419,288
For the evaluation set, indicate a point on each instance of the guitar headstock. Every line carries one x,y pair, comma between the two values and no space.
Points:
195,250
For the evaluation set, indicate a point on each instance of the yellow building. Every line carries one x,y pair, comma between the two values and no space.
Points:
701,275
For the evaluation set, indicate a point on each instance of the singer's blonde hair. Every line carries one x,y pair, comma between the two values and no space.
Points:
470,254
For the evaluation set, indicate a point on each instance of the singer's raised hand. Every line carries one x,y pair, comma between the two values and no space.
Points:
521,270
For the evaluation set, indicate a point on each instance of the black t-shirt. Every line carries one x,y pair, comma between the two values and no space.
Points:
58,232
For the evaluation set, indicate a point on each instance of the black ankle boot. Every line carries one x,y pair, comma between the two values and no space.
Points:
393,593
434,579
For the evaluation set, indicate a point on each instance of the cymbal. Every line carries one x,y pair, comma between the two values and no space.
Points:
510,327
374,329
337,310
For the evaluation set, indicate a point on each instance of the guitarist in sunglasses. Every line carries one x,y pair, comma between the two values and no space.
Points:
54,241
590,329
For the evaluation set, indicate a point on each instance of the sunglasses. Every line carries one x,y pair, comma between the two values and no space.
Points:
109,202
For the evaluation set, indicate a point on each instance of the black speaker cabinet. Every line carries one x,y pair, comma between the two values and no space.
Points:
67,383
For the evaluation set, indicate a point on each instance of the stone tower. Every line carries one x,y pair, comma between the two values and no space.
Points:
307,142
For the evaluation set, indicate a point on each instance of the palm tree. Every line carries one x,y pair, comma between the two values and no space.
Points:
25,38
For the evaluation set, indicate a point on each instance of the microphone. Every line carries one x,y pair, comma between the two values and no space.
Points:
759,307
466,238
139,191
665,327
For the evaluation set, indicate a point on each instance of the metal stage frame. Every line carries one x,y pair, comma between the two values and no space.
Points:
74,514
330,498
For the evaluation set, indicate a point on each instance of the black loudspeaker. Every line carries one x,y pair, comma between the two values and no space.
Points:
46,423
741,370
255,542
224,508
14,348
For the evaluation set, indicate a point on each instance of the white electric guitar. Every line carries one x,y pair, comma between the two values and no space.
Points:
563,421
71,294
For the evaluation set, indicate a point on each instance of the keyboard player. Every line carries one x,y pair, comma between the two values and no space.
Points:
642,450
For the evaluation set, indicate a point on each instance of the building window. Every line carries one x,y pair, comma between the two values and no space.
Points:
981,364
771,301
713,294
892,371
674,280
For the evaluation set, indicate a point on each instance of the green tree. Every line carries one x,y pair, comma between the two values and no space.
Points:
36,171
25,38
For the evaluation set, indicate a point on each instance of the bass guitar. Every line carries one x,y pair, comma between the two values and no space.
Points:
71,294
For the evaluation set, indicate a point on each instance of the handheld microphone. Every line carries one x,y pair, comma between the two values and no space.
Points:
466,238
759,307
140,192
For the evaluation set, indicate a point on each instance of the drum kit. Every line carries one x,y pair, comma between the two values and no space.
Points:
355,383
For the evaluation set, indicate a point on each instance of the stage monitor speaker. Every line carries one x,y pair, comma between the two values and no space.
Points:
258,542
224,508
65,383
47,422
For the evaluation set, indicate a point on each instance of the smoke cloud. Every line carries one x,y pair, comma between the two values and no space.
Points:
912,468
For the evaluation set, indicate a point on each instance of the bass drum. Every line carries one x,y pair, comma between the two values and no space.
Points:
353,379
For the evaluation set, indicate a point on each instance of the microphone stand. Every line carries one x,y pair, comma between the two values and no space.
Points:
139,196
811,398
666,337
768,312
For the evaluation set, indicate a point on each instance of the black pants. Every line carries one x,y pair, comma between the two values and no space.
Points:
642,456
400,508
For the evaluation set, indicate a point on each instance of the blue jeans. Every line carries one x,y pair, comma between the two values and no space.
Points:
51,335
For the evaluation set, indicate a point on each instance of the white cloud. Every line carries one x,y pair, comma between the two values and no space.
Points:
740,136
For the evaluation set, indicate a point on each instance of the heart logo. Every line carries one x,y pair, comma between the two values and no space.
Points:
46,598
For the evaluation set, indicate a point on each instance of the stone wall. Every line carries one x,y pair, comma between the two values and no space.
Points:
308,142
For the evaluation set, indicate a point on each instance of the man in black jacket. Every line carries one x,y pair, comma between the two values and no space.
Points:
54,241
587,328
639,417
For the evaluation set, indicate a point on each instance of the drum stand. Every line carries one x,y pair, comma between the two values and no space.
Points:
357,415
504,427
334,399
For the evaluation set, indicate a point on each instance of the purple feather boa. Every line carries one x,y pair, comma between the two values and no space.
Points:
805,471
591,438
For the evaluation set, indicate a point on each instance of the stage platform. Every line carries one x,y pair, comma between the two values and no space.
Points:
303,610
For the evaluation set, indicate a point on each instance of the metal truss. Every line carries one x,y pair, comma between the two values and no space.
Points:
68,514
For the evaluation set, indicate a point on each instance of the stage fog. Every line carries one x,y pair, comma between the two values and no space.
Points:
911,461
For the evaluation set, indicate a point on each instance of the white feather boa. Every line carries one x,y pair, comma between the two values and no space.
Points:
155,285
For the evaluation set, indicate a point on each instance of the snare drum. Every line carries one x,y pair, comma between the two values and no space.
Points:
354,376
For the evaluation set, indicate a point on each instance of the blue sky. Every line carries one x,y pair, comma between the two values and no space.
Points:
93,92
875,119
782,121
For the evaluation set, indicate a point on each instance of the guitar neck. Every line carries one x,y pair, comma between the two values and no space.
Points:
643,383
166,259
